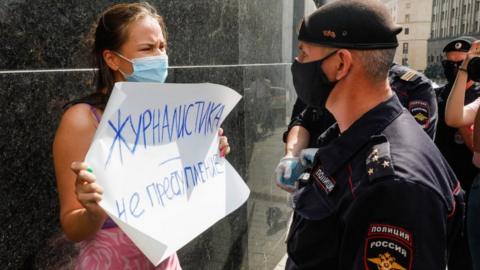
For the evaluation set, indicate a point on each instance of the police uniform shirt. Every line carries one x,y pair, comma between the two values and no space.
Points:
414,90
416,93
451,143
379,193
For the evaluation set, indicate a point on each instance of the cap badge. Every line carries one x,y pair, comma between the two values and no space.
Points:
329,33
458,45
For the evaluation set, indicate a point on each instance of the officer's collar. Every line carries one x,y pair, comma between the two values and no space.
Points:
338,151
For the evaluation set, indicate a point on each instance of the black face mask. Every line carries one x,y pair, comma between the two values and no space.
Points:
311,83
450,69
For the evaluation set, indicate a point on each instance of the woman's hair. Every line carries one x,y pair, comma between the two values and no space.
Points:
111,32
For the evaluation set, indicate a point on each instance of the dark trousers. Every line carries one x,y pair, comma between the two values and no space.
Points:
473,222
460,258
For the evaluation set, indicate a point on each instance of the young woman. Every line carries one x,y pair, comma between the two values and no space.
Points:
458,115
129,44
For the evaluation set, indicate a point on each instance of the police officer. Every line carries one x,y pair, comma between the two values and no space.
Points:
456,143
414,90
379,194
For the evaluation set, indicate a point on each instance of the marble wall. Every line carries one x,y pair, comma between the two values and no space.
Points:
42,60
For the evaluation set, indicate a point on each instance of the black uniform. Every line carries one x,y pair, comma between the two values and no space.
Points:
414,90
416,93
378,193
451,143
315,120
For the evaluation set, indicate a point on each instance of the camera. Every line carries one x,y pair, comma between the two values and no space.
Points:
473,69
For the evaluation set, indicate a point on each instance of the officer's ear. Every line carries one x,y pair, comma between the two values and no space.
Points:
343,68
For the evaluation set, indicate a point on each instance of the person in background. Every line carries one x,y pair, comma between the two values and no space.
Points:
458,115
453,139
473,210
129,44
379,194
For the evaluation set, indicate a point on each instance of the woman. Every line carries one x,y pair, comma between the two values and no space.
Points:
458,115
129,44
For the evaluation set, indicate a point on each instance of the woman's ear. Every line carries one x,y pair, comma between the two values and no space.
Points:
345,63
110,59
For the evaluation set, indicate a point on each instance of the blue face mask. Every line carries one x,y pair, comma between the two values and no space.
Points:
147,69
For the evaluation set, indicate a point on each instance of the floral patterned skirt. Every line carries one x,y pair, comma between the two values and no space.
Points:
112,249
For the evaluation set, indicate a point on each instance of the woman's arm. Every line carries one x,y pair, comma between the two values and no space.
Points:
467,135
455,113
80,215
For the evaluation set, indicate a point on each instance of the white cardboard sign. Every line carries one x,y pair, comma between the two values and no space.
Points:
156,155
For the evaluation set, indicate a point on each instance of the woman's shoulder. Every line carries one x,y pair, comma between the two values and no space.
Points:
78,116
85,111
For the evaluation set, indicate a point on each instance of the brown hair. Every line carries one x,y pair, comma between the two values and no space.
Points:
110,33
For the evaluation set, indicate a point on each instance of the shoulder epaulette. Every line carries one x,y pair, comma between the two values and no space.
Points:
410,76
379,162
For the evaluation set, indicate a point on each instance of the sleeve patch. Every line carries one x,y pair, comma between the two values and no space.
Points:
420,110
324,181
388,247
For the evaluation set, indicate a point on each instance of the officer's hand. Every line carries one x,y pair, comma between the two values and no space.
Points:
307,156
287,172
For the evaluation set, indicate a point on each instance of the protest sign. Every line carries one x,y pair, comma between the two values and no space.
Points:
156,155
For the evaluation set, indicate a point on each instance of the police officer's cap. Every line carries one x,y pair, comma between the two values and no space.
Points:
352,24
459,44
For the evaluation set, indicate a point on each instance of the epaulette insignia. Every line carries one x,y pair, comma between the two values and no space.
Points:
379,161
410,76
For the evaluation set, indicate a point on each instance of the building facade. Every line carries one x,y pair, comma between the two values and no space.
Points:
450,19
415,17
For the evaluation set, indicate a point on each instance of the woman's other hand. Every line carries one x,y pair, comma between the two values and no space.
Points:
223,145
472,53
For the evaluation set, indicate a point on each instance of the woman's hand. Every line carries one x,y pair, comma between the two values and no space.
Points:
223,145
472,53
88,192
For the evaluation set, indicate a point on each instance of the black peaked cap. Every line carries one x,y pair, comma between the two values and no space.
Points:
459,44
352,24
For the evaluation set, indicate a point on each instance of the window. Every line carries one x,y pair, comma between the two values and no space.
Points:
407,31
405,48
407,18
